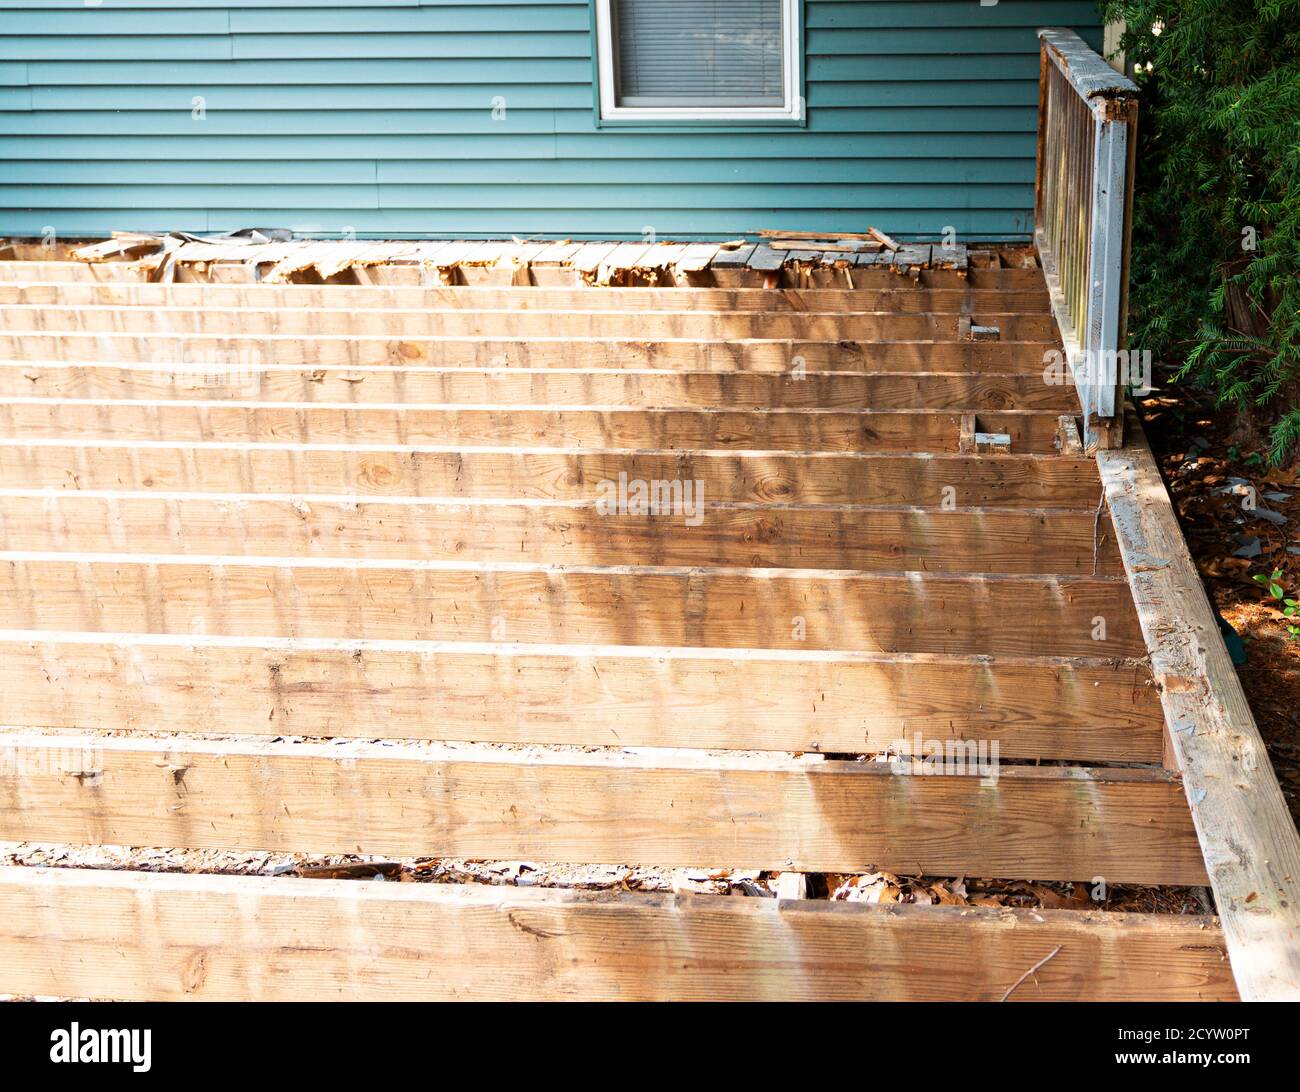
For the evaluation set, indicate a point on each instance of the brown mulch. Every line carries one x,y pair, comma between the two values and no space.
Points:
872,887
1212,464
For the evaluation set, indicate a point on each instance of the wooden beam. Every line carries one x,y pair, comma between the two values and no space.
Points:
892,300
708,533
1251,850
169,937
570,427
639,325
460,601
1013,481
220,354
411,273
666,808
834,702
505,386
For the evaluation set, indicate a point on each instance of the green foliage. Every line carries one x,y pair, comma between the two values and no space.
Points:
1218,156
1276,591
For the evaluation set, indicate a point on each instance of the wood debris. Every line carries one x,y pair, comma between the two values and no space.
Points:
882,238
778,258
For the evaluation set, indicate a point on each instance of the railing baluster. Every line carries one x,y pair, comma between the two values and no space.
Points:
1083,186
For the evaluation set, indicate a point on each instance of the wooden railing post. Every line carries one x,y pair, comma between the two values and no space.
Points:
1087,119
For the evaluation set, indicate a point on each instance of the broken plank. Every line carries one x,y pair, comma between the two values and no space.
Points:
766,260
408,273
696,257
726,258
912,257
883,239
558,253
773,233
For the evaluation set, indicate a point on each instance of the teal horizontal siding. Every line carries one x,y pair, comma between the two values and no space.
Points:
523,196
438,223
451,96
376,117
271,75
23,173
522,118
489,150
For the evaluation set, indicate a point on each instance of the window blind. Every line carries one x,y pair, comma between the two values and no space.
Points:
698,52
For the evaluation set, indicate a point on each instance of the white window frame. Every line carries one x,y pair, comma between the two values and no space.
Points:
791,109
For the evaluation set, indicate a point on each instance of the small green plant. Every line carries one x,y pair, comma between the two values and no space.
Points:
1277,592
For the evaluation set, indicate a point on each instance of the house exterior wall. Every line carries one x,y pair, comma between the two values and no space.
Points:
398,118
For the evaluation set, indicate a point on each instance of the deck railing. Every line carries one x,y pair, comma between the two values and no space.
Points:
1087,119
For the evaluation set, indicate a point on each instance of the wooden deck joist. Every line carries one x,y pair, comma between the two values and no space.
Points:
670,808
909,299
220,354
568,427
991,540
651,388
1037,707
918,479
507,601
645,325
149,936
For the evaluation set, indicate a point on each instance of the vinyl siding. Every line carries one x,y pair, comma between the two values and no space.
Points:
375,117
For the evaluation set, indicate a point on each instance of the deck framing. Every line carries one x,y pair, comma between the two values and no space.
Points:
389,532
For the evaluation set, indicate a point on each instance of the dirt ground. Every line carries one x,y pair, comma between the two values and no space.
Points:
1241,517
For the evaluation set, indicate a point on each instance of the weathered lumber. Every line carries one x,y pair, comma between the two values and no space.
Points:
462,601
837,702
168,937
1013,481
698,532
587,261
669,808
568,427
224,354
1251,850
456,322
543,386
901,298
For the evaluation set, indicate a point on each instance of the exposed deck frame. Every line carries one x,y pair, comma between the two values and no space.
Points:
1249,847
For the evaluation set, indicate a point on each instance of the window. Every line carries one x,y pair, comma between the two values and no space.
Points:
698,60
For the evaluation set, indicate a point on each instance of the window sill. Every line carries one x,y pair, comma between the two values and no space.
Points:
674,125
